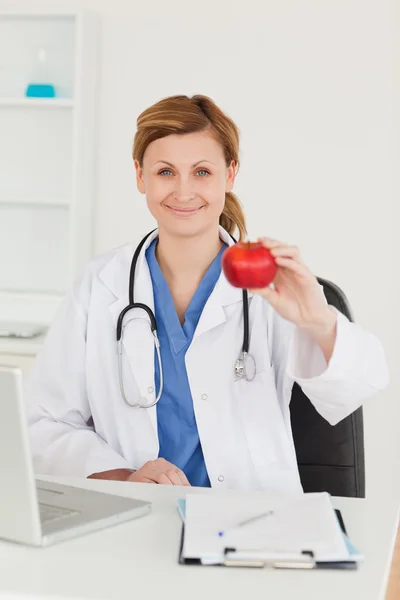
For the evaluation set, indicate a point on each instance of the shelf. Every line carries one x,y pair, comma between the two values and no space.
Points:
36,242
36,103
47,158
51,202
36,154
19,346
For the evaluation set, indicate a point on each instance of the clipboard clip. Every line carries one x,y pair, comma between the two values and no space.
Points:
305,562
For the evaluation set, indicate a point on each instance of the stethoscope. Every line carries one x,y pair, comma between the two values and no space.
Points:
245,366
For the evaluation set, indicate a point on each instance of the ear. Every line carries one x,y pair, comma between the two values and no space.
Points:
139,178
230,177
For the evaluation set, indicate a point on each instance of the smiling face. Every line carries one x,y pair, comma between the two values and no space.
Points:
185,178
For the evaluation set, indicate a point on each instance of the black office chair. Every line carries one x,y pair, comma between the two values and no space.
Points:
330,458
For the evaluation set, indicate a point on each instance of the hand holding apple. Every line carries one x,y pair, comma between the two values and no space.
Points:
296,294
249,265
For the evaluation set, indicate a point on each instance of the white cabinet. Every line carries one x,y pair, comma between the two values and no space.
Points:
23,361
47,151
19,352
47,160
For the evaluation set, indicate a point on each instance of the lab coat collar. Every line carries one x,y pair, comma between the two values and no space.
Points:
115,275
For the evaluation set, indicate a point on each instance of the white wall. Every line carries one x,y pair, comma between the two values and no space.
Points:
313,87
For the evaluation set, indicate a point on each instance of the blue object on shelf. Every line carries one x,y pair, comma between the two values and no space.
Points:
40,90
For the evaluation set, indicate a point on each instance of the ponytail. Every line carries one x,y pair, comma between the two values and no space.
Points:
232,217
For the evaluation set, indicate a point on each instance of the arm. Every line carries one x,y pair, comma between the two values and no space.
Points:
63,439
324,333
356,370
337,363
114,474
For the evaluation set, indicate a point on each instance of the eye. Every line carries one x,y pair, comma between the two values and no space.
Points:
204,172
165,171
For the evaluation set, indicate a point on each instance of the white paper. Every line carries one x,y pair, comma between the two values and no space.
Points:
299,522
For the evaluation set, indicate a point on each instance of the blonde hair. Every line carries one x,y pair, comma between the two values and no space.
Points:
180,115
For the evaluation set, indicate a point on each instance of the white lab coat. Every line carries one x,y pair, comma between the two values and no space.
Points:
80,425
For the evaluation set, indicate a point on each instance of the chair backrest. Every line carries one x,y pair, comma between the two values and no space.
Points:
330,458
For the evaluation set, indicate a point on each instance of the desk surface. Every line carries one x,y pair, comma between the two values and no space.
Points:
139,559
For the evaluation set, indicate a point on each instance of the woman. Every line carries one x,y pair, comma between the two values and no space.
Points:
209,427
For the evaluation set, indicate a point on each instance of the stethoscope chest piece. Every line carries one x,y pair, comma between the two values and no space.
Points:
245,366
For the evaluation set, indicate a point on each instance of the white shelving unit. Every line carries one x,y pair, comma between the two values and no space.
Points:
36,103
47,155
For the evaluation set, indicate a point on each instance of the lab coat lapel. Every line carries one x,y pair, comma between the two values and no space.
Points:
213,313
138,341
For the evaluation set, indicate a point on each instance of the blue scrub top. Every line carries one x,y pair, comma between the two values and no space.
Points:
177,428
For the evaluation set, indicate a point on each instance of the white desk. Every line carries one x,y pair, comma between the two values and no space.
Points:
139,559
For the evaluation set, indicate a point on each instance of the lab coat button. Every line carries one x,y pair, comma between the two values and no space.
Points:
150,390
204,397
221,478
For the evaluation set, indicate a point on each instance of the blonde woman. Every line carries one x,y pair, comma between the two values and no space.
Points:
151,393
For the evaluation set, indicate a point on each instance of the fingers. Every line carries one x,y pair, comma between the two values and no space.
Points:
270,242
142,479
170,477
278,248
175,476
173,472
268,293
286,252
160,471
164,479
183,478
138,476
292,265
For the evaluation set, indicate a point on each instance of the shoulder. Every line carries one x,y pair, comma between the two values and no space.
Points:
105,271
115,257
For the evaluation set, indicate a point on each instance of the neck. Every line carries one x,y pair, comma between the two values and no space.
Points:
187,258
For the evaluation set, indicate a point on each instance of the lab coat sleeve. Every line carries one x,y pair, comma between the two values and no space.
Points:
62,436
356,370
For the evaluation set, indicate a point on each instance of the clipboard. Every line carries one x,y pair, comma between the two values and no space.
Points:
307,563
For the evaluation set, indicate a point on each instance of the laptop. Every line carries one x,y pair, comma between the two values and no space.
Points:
39,513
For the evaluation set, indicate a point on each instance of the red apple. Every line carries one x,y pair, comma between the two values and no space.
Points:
249,265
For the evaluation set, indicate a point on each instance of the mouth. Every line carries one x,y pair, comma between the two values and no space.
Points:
186,212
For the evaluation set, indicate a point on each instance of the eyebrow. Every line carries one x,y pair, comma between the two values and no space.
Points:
165,162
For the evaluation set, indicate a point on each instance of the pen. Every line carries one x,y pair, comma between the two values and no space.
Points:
268,513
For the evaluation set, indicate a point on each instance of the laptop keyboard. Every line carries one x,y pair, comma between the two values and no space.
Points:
49,513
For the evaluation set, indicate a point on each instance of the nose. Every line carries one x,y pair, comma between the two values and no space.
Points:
183,192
